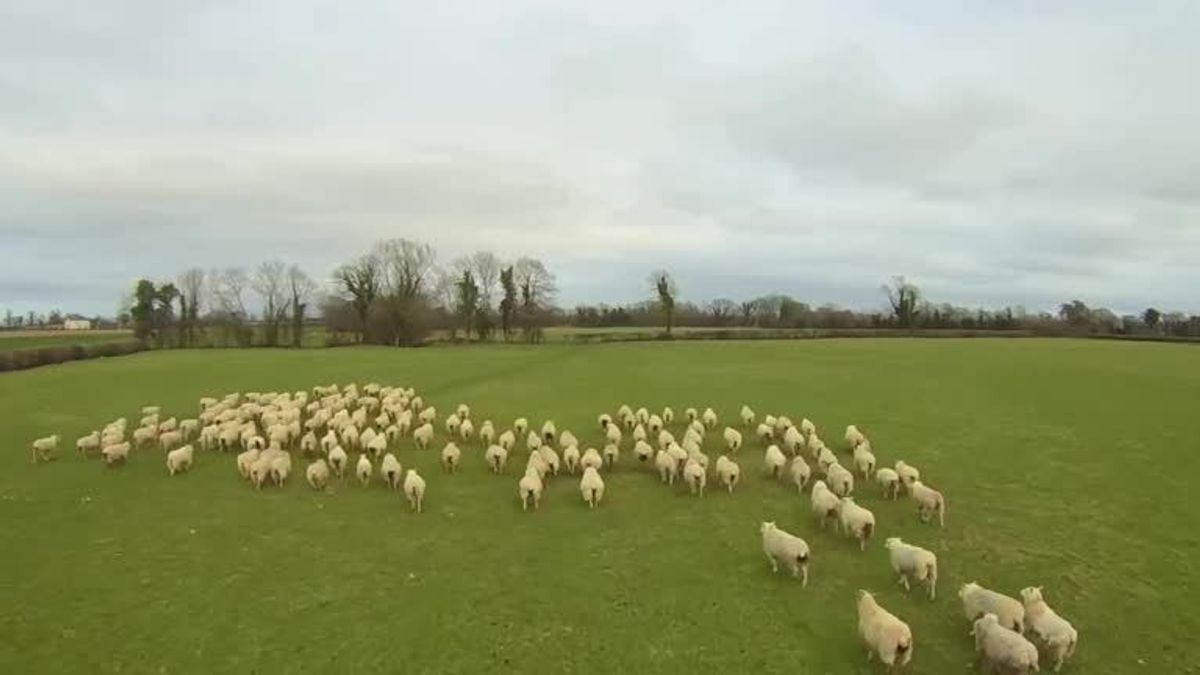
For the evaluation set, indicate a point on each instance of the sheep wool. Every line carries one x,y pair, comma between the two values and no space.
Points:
695,476
783,547
889,482
364,469
929,501
571,457
450,457
496,456
825,504
977,601
391,471
1001,649
1053,631
179,460
317,475
801,472
774,461
913,563
728,473
414,489
884,635
529,489
856,522
667,467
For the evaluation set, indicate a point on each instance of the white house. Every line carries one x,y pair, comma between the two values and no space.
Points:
77,324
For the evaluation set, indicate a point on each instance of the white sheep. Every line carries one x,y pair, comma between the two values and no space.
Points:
281,466
189,427
496,456
747,416
591,460
89,443
414,489
245,460
537,463
169,439
549,431
639,433
889,482
728,473
116,452
43,448
765,432
529,489
908,473
695,476
179,460
783,547
566,439
782,424
978,600
452,424
338,460
864,460
884,634
665,438
507,440
317,474
604,419
377,446
533,441
643,451
487,433
807,428
466,430
151,410
733,439
613,435
550,458
668,415
667,467
423,436
364,469
328,441
520,426
774,461
913,562
463,412
677,454
691,414
929,501
709,418
1001,649
591,486
611,453
654,424
825,504
427,416
839,479
1053,631
571,457
450,457
825,459
308,443
854,437
856,522
391,470
624,412
793,440
170,424
801,472
642,416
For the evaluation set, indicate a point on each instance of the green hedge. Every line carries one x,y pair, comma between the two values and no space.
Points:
20,359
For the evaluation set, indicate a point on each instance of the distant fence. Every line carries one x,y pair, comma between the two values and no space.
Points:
32,357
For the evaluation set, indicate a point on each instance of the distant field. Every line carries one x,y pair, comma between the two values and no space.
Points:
1066,463
24,339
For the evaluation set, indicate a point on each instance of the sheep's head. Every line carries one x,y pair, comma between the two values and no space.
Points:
893,542
767,526
983,622
967,588
1031,595
865,600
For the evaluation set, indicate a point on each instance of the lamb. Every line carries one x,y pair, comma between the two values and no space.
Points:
728,473
774,461
801,473
929,501
591,460
496,456
747,416
667,467
338,460
856,522
89,443
550,458
695,476
793,440
840,480
611,454
529,489
613,435
487,433
466,430
364,469
571,457
913,561
507,440
709,418
1003,650
889,482
783,547
591,486
977,601
179,460
450,457
414,489
604,419
643,451
884,634
1053,631
668,416
549,431
733,439
116,452
825,505
44,448
423,436
864,460
854,437
908,474
317,474
520,426
391,470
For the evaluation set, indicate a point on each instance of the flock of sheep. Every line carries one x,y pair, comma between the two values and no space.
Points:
265,428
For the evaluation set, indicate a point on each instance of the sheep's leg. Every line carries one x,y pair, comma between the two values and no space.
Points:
904,582
774,563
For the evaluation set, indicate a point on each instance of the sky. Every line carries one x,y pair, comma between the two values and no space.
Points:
995,153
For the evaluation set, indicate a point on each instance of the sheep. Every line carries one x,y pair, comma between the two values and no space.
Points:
782,424
391,470
423,436
520,426
913,561
550,458
793,440
642,416
566,439
854,437
364,469
338,460
807,428
170,424
179,460
309,443
189,427
908,473
427,416
667,467
856,521
765,433
864,460
280,467
496,456
643,451
169,439
698,429
89,443
728,473
889,482
611,454
529,488
538,464
414,489
328,441
884,634
591,486
929,501
801,473
816,446
978,600
695,476
613,435
665,438
677,454
825,459
774,461
149,421
591,460
317,474
783,547
709,418
378,446
691,414
151,410
245,461
452,424
571,457
655,424
839,479
639,433
507,440
450,457
487,433
463,411
1053,631
747,416
549,431
697,455
604,419
44,448
466,430
352,439
668,416
1003,650
624,412
733,439
825,504
116,452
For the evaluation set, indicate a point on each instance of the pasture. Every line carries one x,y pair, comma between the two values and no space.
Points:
1065,463
34,339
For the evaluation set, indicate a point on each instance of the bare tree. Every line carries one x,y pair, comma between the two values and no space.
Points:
537,288
748,309
467,300
406,268
485,267
270,283
227,297
722,310
301,288
666,290
191,289
904,298
361,280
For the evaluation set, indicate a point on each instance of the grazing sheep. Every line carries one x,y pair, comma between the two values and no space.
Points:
549,431
391,471
854,437
507,440
978,601
364,469
89,443
733,439
566,439
1001,649
643,451
1053,631
495,457
929,501
116,452
783,547
667,467
591,460
801,473
807,428
450,457
487,433
839,479
463,412
825,504
864,460
423,436
604,419
655,424
884,634
639,433
856,522
747,416
908,473
913,561
571,457
529,489
179,460
695,476
414,489
668,416
317,474
782,424
466,430
793,440
765,432
591,486
611,454
691,414
728,473
520,426
774,461
889,482
338,460
550,458
43,448
709,418
613,435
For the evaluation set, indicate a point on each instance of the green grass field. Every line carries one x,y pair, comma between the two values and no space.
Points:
14,340
1065,463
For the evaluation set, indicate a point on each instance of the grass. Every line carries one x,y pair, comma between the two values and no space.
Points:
14,340
1065,463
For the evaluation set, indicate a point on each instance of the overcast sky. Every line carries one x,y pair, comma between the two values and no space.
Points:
994,152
